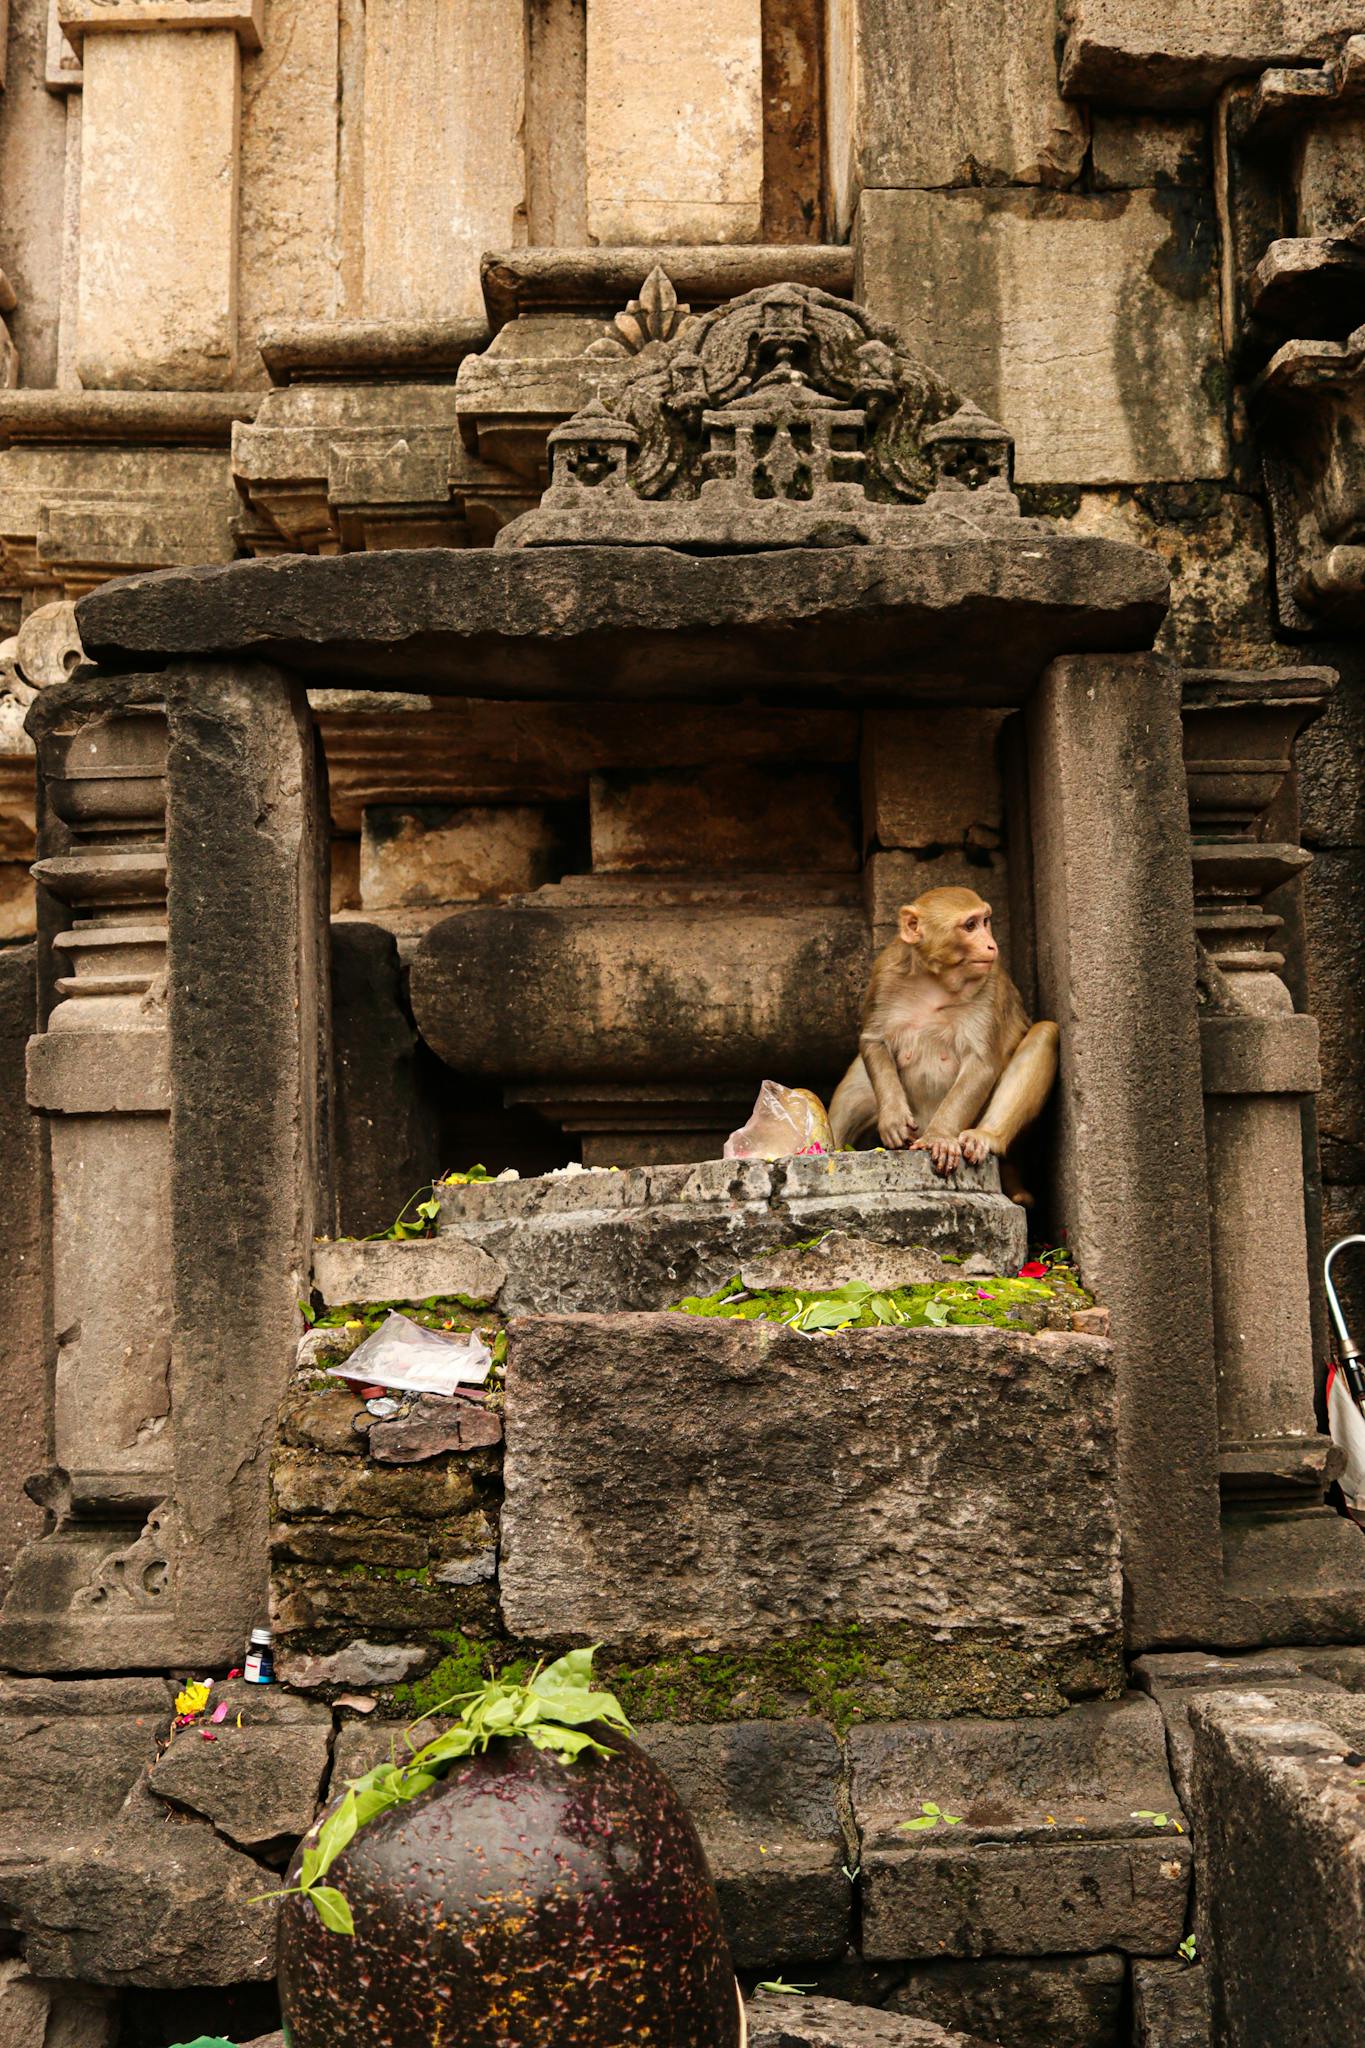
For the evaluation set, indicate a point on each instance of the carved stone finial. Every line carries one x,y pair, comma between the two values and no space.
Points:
655,316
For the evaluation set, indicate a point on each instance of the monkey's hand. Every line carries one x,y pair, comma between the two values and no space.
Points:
978,1145
896,1128
946,1153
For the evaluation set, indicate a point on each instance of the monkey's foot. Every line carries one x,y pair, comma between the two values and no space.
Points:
945,1153
978,1145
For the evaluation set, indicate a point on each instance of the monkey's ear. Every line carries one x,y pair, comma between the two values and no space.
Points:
911,930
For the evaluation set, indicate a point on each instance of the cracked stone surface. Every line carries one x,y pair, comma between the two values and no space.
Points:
255,1783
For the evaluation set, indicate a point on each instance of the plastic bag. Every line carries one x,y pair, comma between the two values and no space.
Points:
785,1121
404,1354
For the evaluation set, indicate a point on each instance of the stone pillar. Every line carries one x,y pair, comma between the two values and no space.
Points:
445,174
159,189
180,1073
24,1386
675,121
1293,1570
1116,968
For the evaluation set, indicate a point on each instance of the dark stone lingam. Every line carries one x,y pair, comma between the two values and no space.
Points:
519,1901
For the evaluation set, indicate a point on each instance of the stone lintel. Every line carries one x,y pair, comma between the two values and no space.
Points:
179,419
973,621
81,18
1260,1055
371,351
601,280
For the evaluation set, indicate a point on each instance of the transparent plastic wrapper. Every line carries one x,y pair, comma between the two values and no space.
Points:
785,1121
406,1355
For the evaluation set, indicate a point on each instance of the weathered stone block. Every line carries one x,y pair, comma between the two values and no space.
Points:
764,1798
147,1902
1022,300
784,2022
884,1486
334,1421
1170,2005
35,2012
962,97
446,181
1132,152
306,1483
355,1663
442,853
351,1270
674,122
644,1237
160,133
434,1424
255,1783
1065,2001
1281,1862
342,1543
930,777
1067,1835
1179,53
1176,1678
72,1750
728,815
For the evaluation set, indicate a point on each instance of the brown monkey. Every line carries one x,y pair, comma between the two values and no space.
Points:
948,1063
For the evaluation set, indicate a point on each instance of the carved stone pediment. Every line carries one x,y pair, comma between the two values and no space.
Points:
786,418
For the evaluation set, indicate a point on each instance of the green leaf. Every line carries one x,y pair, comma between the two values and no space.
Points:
929,1806
333,1910
937,1313
335,1832
925,1820
309,1868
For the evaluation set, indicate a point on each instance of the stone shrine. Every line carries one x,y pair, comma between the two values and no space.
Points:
526,533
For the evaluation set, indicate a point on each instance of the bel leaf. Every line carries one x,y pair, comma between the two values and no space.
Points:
333,1910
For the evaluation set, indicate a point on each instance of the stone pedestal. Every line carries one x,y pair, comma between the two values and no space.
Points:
642,1238
184,1052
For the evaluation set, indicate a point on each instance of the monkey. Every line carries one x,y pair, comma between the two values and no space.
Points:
948,1062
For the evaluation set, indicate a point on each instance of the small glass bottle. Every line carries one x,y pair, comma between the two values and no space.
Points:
259,1668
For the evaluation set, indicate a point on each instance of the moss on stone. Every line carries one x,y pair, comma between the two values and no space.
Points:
858,1673
466,1664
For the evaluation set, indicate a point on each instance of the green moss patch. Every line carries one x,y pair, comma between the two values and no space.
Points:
858,1673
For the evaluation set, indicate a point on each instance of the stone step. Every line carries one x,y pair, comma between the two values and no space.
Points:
777,2021
1065,1835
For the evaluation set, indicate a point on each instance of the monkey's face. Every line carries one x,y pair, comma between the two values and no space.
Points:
977,951
951,931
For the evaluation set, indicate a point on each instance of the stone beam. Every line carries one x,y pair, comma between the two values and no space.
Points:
1116,968
972,621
